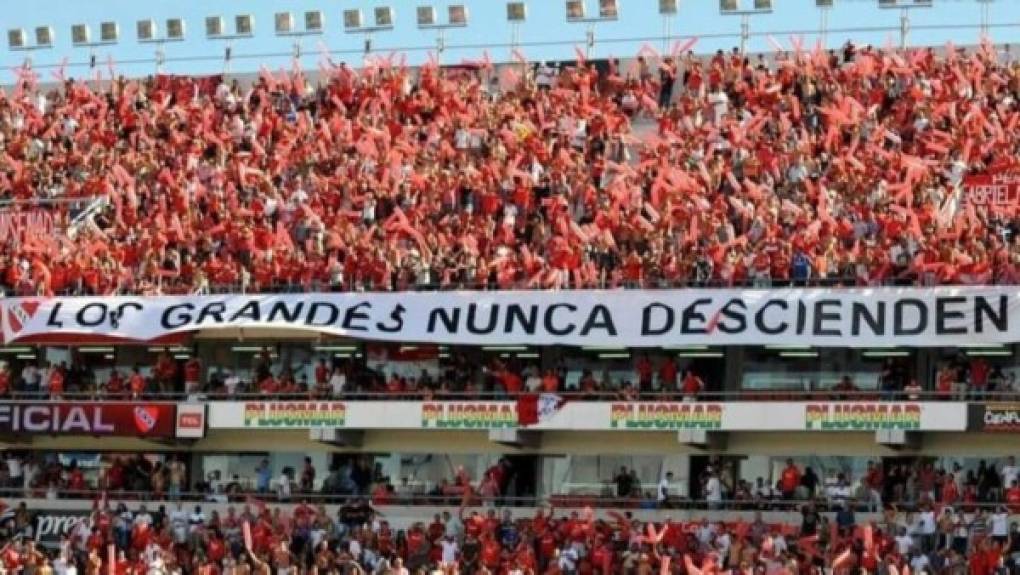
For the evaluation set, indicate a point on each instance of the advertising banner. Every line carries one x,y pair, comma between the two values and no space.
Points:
100,419
190,420
594,416
51,526
880,317
999,418
995,188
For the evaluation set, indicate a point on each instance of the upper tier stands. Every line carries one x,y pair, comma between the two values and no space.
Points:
829,167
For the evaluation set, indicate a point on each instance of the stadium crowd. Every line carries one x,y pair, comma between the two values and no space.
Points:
829,167
357,538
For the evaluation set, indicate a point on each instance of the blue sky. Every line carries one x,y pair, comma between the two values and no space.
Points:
546,30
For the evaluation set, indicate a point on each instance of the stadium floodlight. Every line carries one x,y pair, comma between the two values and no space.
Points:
667,11
109,32
457,15
313,22
823,3
516,14
352,19
516,11
80,35
608,10
244,25
426,16
732,8
44,36
175,29
214,26
823,18
575,10
283,23
16,38
904,6
383,17
145,30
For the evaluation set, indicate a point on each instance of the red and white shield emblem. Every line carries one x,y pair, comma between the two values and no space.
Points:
19,314
146,418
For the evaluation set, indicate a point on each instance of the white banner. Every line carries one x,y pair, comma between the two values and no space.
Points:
593,416
621,318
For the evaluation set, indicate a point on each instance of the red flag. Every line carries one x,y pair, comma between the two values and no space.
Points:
527,409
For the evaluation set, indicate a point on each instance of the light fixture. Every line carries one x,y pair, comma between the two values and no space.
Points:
244,24
404,348
885,353
342,355
614,356
182,356
103,349
516,11
686,347
989,353
426,16
109,356
608,10
15,350
80,34
764,5
667,7
44,36
575,10
383,17
16,38
699,354
352,19
505,348
457,15
109,32
798,354
28,356
174,29
214,26
824,3
788,347
247,349
529,355
313,21
603,348
727,5
283,22
145,30
335,347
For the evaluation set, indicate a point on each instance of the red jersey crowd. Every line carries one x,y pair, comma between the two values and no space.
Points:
358,539
821,167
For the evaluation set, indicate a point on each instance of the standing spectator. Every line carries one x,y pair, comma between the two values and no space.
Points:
263,476
308,476
789,480
662,496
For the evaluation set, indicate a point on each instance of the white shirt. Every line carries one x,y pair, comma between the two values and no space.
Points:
13,467
1009,475
713,489
663,492
904,543
338,381
1000,524
926,522
449,550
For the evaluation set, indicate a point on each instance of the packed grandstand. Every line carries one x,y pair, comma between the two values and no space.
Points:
682,313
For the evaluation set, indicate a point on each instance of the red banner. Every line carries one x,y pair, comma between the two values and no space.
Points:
995,188
57,418
13,223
